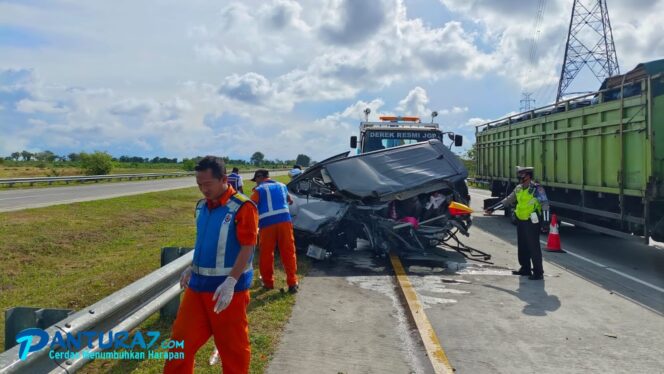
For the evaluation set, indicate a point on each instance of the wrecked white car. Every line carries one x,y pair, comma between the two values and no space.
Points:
411,198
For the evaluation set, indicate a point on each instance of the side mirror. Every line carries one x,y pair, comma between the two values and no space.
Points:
458,140
353,142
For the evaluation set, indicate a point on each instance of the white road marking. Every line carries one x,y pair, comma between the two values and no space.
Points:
598,264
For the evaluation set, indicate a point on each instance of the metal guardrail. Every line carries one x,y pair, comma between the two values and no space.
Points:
82,178
121,311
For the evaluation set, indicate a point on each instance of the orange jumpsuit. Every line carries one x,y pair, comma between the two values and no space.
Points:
196,320
273,236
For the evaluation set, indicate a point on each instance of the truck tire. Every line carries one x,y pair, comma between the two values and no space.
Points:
657,232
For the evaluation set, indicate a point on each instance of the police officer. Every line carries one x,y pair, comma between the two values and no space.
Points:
532,210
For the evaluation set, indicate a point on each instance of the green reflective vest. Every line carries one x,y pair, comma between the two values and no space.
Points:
526,203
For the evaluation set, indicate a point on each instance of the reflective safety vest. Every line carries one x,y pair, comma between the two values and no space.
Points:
272,203
217,246
233,180
527,203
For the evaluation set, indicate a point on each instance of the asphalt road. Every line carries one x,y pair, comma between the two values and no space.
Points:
600,308
40,197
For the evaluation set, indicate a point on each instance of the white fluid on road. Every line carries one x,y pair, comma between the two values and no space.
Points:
384,285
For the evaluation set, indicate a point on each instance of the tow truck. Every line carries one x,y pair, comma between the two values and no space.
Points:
394,131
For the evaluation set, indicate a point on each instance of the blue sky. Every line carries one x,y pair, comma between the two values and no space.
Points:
174,79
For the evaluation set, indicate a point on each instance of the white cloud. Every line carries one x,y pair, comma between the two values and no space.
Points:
281,14
352,22
34,106
454,110
415,103
475,121
208,77
37,122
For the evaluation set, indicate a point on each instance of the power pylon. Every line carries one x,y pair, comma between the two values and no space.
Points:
589,43
527,102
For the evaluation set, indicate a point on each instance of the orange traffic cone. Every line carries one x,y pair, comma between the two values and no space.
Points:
553,242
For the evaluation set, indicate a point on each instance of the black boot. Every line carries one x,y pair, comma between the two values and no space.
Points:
522,272
535,277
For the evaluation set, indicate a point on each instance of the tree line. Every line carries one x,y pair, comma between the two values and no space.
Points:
100,163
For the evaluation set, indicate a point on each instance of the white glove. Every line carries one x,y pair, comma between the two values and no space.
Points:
224,294
184,277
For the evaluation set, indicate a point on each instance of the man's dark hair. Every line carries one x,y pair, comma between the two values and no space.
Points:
297,167
213,163
236,170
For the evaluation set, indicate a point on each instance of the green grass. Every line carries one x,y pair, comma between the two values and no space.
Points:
70,256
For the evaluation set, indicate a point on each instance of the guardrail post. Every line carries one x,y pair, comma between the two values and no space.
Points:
168,255
21,318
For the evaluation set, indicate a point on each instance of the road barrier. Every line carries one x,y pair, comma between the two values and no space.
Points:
123,310
96,178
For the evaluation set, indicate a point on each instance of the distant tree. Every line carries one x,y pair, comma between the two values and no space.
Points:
27,156
98,163
46,156
303,160
471,154
188,165
257,158
74,157
16,155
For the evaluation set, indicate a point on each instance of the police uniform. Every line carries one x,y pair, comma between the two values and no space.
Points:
532,207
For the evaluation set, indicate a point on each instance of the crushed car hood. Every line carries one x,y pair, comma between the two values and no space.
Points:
393,174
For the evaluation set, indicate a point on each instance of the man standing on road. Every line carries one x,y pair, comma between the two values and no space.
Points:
235,180
276,229
217,282
531,204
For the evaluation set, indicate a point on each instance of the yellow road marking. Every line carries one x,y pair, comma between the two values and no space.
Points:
435,352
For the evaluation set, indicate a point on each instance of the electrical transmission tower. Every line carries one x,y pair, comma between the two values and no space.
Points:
527,102
589,43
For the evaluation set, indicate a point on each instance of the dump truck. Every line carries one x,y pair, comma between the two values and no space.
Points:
600,156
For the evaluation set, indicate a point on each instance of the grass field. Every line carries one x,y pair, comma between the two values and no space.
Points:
34,171
70,256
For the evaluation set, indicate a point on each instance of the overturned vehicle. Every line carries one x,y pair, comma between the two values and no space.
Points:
409,199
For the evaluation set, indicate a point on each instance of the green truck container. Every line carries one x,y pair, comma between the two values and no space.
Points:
600,156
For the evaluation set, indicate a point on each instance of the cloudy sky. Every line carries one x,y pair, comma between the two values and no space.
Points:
179,79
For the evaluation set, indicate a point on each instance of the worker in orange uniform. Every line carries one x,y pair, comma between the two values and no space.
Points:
276,229
218,280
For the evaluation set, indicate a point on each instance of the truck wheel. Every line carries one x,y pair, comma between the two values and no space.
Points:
657,232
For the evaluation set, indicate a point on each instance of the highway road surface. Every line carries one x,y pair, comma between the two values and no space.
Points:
17,199
600,309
